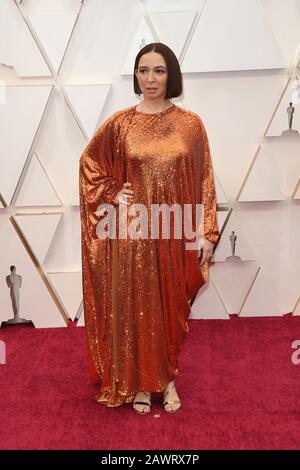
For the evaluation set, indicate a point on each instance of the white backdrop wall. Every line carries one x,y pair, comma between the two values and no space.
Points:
66,65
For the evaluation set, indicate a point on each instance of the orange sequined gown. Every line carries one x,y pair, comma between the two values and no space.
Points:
136,291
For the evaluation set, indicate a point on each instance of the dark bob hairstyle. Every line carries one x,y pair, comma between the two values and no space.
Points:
174,82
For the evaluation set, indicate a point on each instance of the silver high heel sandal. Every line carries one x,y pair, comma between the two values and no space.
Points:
144,403
168,403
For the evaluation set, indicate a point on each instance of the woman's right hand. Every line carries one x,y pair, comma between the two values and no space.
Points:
124,196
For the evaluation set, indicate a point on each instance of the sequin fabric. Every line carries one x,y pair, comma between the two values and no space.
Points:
137,291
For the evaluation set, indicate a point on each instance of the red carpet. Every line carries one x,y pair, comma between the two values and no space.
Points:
237,383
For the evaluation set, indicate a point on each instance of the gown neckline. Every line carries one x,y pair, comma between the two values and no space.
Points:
154,114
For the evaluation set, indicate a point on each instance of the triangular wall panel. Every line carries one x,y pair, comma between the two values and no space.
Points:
24,107
285,154
18,48
142,37
230,36
173,27
87,102
53,44
262,300
61,159
39,230
263,182
36,189
69,288
64,254
208,304
233,279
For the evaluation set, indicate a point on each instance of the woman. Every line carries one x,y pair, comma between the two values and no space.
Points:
137,290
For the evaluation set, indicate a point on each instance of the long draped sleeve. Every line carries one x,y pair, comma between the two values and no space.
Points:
96,180
208,190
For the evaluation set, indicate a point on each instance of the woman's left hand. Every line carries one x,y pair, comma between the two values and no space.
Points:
207,251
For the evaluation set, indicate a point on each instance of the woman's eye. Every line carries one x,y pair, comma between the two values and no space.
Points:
159,71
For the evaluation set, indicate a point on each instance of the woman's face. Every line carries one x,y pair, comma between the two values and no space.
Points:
152,73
